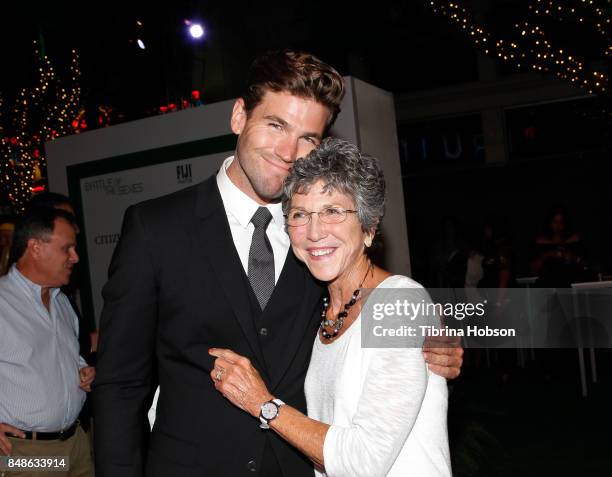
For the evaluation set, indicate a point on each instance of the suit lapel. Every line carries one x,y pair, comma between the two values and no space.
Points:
214,239
292,310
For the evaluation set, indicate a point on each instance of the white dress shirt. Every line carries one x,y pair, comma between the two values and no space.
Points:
39,357
240,208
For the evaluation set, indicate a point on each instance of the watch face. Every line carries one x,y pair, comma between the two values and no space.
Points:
269,410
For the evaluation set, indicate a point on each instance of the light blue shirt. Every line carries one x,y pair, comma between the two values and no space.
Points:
39,357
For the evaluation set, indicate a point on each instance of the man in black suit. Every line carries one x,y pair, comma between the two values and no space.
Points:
218,283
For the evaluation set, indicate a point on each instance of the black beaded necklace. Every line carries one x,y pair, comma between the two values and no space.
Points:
339,321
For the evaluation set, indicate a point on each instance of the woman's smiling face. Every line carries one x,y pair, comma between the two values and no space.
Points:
330,251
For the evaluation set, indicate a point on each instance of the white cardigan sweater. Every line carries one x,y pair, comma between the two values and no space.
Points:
386,409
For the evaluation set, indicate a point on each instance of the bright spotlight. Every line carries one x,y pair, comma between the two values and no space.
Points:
141,44
196,31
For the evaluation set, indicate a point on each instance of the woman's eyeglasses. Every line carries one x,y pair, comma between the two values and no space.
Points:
328,215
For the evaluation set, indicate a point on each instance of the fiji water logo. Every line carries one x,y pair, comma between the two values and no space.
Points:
183,174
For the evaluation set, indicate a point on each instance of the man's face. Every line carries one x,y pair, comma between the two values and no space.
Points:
278,130
56,256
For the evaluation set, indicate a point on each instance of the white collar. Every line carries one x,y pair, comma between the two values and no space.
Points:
240,205
34,288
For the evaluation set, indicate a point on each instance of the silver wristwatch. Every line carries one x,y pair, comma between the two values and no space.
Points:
269,411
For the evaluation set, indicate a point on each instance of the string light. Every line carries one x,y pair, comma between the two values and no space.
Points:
532,48
41,113
589,13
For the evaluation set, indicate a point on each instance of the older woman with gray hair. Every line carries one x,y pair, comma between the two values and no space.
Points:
371,411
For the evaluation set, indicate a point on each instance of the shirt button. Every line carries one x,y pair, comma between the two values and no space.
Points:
263,331
252,466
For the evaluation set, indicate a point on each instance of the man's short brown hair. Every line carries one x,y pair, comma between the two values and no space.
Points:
37,223
300,74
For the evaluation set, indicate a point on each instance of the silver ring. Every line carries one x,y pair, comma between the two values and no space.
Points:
219,374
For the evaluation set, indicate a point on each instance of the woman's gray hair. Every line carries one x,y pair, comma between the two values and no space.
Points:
343,168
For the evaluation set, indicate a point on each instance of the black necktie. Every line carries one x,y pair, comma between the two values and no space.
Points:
261,258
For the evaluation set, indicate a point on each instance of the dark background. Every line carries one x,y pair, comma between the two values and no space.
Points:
504,419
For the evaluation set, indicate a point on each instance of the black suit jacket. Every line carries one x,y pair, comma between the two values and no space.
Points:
176,288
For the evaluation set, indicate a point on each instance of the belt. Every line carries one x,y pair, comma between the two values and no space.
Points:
52,436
